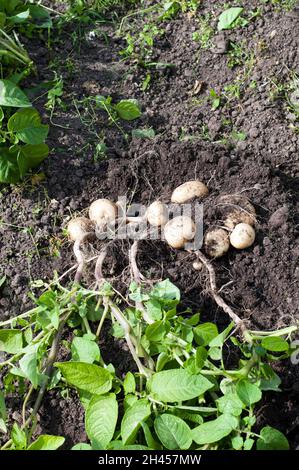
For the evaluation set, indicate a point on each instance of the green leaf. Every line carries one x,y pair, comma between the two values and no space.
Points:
100,420
218,341
30,156
151,442
132,420
40,16
156,331
47,442
177,385
9,169
3,413
129,383
11,341
249,393
11,95
26,123
237,442
19,17
1,115
272,439
85,350
128,110
230,404
275,343
269,380
248,444
18,437
154,309
81,446
48,318
227,18
143,133
167,292
173,432
204,333
88,377
29,368
214,431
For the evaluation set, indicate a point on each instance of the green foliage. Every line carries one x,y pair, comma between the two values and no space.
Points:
180,395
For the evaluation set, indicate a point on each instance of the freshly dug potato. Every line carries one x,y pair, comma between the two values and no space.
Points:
102,212
189,190
216,242
157,214
179,231
235,209
242,236
79,227
197,265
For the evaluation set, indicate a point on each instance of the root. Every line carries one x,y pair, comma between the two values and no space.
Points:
80,256
136,274
218,299
98,271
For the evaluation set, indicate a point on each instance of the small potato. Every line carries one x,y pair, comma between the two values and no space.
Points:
157,214
179,231
216,242
197,265
242,236
189,190
79,227
102,212
235,209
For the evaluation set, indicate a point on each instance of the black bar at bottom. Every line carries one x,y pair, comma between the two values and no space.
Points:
134,459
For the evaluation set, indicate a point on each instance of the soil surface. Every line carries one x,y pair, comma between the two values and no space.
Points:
192,140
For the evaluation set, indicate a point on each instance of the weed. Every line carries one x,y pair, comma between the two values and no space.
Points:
205,32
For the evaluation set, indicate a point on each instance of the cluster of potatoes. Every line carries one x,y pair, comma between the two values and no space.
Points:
236,214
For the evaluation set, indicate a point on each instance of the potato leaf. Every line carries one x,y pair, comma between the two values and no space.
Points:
11,341
100,420
88,377
173,432
132,420
12,95
46,442
177,385
26,123
214,431
272,439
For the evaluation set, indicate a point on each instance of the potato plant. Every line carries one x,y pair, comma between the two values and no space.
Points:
22,135
180,391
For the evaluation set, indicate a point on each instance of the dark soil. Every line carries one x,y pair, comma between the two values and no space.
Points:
191,142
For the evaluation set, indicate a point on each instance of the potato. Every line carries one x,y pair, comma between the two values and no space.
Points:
216,242
102,212
197,265
189,190
235,209
157,214
242,236
179,231
79,227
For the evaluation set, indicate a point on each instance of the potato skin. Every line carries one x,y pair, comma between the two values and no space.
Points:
157,214
188,191
102,211
78,227
216,242
179,231
242,236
